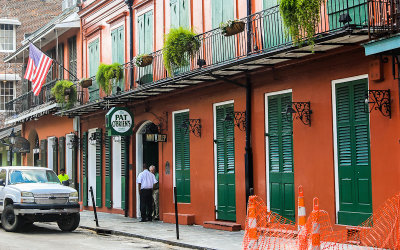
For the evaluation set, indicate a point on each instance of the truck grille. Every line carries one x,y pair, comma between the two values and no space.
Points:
49,199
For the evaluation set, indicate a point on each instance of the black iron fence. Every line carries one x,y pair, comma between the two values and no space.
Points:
266,33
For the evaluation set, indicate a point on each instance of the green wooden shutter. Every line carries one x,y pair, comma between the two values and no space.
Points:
353,147
61,152
55,155
99,167
357,9
94,62
124,166
146,31
184,13
43,153
274,30
225,142
174,9
108,152
223,47
72,53
182,158
280,138
85,168
118,53
61,59
74,167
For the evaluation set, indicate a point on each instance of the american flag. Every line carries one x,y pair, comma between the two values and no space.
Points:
37,69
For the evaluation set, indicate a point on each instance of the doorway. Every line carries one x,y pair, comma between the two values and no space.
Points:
146,152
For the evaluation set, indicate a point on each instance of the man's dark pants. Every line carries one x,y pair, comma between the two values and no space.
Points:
146,204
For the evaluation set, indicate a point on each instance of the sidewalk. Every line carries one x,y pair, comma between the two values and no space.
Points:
189,236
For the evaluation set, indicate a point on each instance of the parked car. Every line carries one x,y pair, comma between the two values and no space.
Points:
34,194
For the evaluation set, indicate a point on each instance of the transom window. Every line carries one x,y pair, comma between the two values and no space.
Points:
6,93
7,37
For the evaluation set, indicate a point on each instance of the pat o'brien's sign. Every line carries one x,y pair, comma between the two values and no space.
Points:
119,121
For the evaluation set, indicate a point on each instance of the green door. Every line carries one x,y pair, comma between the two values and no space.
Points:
99,167
357,9
182,158
94,62
85,168
353,152
118,53
223,48
225,145
145,32
108,154
274,31
280,157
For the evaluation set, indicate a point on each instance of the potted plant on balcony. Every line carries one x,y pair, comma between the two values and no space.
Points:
64,93
106,74
301,19
143,60
85,82
232,27
180,45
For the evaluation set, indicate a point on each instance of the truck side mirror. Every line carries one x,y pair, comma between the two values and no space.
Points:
2,182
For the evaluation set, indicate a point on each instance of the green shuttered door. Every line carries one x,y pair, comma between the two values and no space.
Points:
353,147
94,62
182,158
108,152
273,27
55,155
61,153
99,164
225,143
357,9
145,31
118,50
223,47
85,168
124,167
280,138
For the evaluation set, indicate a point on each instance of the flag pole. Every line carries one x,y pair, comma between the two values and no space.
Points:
54,60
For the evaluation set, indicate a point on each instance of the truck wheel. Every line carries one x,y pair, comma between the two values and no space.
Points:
9,220
69,222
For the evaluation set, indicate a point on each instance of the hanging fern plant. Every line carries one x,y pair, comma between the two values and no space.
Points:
301,18
106,73
65,93
180,45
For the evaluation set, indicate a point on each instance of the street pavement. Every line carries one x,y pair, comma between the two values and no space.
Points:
189,236
48,236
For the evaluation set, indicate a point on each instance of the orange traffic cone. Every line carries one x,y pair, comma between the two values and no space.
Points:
316,230
252,225
301,209
301,214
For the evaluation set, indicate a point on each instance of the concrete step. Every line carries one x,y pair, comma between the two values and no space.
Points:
222,225
183,219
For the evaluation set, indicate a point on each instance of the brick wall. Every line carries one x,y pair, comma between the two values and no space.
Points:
32,14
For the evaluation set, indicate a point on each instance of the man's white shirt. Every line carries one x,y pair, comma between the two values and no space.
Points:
146,179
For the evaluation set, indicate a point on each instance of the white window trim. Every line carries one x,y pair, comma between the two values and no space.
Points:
215,105
335,151
267,140
14,95
14,34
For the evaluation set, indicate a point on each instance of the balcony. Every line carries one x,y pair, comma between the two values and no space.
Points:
263,43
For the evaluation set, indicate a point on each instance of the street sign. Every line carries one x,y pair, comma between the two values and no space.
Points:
119,121
156,137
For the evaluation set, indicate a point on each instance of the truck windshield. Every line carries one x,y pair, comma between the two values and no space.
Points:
32,176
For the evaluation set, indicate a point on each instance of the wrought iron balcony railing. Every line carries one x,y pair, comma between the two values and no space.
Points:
28,100
384,17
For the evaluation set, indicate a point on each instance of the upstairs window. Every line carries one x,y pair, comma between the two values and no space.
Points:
8,34
6,93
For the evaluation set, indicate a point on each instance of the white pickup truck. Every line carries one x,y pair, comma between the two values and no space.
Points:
34,194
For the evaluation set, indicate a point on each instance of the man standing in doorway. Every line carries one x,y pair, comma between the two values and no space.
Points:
146,181
155,193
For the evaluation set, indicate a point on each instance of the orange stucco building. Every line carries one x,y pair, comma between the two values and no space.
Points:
249,113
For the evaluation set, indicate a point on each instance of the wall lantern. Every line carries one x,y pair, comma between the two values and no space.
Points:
299,110
12,137
239,119
192,125
378,100
93,139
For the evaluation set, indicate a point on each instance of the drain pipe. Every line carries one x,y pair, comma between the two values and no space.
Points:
248,149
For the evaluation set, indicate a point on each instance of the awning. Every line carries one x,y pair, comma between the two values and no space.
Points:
71,21
7,131
10,77
382,45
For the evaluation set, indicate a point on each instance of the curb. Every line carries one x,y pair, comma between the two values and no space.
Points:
119,233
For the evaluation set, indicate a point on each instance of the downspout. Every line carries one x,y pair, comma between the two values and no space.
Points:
249,184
